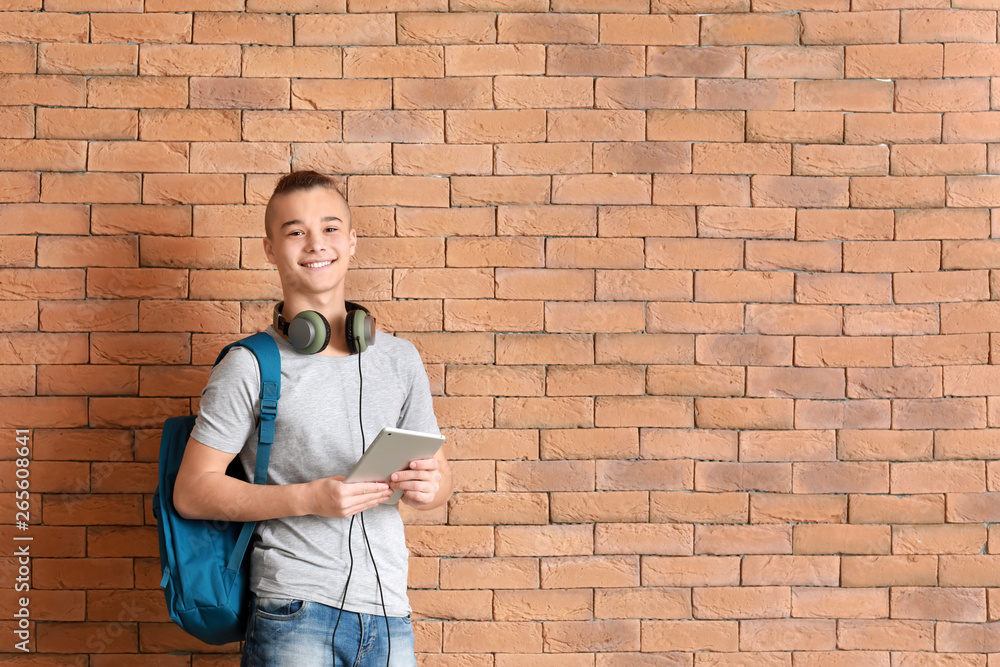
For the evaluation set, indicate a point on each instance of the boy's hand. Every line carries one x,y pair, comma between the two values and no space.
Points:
332,497
419,483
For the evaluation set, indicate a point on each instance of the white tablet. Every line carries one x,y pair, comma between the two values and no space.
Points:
391,451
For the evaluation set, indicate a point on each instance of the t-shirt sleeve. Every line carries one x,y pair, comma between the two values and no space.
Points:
418,408
230,403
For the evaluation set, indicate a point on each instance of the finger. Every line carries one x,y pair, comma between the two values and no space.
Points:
360,503
362,488
424,464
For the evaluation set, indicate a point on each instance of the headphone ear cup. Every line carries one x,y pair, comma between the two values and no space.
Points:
309,332
360,326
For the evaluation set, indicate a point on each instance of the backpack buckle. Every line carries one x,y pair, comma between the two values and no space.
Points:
268,408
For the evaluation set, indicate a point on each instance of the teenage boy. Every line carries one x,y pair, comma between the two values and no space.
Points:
304,612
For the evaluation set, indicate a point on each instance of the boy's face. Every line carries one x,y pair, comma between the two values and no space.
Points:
310,239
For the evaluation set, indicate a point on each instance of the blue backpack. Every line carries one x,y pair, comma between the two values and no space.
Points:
205,576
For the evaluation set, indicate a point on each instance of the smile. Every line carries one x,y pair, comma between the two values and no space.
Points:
317,265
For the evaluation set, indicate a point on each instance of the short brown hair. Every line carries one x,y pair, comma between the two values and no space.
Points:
303,180
297,181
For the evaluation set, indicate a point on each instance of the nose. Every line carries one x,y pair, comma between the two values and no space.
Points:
314,241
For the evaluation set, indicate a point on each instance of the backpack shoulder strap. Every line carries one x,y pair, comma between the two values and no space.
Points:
269,360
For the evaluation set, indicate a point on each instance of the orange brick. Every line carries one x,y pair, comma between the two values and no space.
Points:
479,573
87,59
602,189
695,318
369,29
52,26
494,59
970,59
340,94
471,315
882,320
923,508
493,508
161,28
941,286
817,225
501,637
942,95
938,539
770,413
239,93
840,160
232,157
652,30
891,256
752,158
90,188
645,93
806,635
44,90
547,28
541,158
495,126
694,254
443,93
397,61
810,127
766,94
702,189
621,221
138,156
701,62
798,255
880,61
17,123
760,539
842,351
942,224
798,62
544,284
398,191
664,636
689,125
855,95
485,190
874,128
457,222
844,288
193,189
431,28
726,29
938,160
339,158
118,219
794,319
894,383
595,60
589,572
936,25
743,286
41,155
909,570
19,187
242,28
394,126
189,60
544,348
939,413
522,92
855,27
443,283
17,58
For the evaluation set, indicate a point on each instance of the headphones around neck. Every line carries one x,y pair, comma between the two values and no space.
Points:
309,332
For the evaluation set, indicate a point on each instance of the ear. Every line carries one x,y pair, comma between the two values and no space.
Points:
353,241
269,250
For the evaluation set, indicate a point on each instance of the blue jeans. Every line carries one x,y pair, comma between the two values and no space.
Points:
298,633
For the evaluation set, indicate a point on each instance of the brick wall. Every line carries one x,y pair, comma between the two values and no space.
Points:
704,294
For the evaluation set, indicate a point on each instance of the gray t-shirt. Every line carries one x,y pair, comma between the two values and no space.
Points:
317,435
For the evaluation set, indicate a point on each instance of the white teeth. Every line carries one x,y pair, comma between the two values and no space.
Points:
316,265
